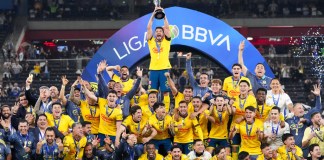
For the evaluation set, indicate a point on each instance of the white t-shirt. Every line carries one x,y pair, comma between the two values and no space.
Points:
281,100
205,156
270,128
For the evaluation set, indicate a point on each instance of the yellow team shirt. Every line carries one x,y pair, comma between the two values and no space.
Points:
162,127
127,85
241,104
233,88
261,157
144,157
141,100
159,55
178,98
203,122
227,158
63,124
183,157
263,112
282,151
250,142
219,128
37,69
315,139
72,147
147,112
135,128
90,114
185,134
108,117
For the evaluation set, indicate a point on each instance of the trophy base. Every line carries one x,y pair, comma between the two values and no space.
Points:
159,14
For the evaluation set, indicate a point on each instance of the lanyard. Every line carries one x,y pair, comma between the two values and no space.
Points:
220,116
262,82
93,111
312,128
131,154
274,131
296,125
248,131
58,123
107,113
276,102
50,151
151,109
45,106
139,127
77,148
288,156
24,141
261,112
161,126
237,82
41,136
158,47
242,105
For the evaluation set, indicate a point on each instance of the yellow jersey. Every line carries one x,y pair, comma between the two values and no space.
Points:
178,98
63,124
232,87
135,128
315,140
227,158
249,138
203,122
159,52
37,69
108,117
144,157
261,157
127,85
147,112
141,100
241,104
72,147
162,127
263,112
90,114
183,157
282,151
185,133
219,128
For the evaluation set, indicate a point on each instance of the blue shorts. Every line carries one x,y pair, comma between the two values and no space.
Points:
185,147
217,142
166,143
236,139
158,80
102,139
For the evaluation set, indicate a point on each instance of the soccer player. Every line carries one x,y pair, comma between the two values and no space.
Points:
263,109
185,128
315,152
159,46
57,119
148,110
244,156
199,151
275,97
268,153
219,118
289,150
50,149
23,140
272,129
251,133
176,154
259,79
74,143
124,77
202,118
151,153
139,126
161,122
314,134
107,153
86,127
231,84
220,154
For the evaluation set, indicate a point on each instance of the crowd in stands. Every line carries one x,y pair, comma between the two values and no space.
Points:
99,9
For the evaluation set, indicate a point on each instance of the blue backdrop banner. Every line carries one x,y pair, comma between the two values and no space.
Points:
211,36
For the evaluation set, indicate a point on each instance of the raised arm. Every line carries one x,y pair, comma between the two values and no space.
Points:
132,92
121,129
192,80
102,85
171,84
31,99
318,104
240,57
166,27
110,70
89,94
62,92
149,33
71,98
